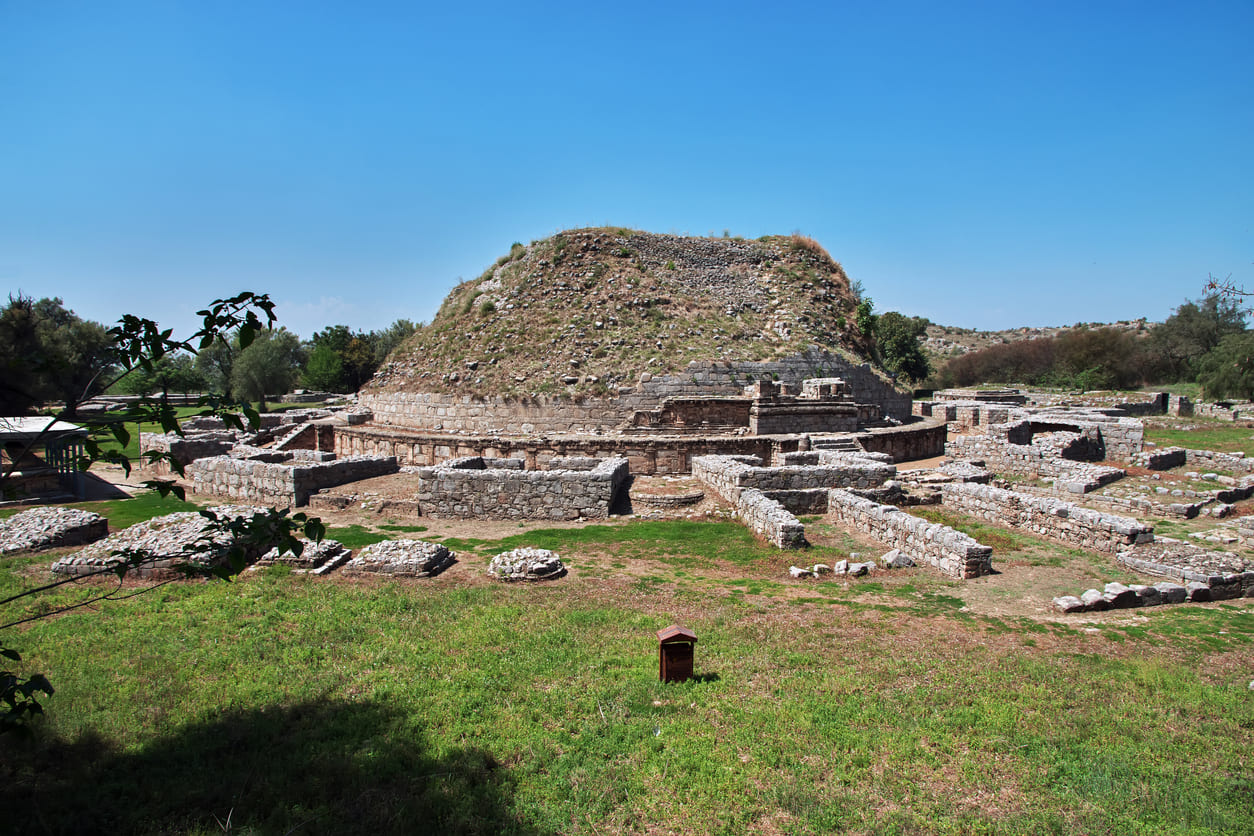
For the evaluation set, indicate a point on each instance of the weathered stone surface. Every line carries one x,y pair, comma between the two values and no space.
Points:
313,556
50,528
1172,593
1069,603
896,559
280,483
1093,600
527,564
406,558
950,551
1149,595
1197,591
169,542
798,572
1047,516
495,488
1119,596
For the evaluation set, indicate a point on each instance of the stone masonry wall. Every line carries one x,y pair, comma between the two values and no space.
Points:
952,552
1039,460
280,484
430,411
472,487
185,450
647,455
1048,517
1211,460
729,475
770,519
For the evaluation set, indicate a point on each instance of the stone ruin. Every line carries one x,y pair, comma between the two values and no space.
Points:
568,489
289,458
166,543
527,564
52,527
1050,448
760,408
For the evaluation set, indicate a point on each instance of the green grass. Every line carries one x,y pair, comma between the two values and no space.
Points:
288,703
1206,434
131,450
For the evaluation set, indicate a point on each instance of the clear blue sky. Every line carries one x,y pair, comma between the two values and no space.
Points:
982,164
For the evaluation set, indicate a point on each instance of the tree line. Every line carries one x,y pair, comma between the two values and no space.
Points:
50,354
1204,342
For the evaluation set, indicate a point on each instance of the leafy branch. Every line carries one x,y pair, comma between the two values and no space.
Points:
226,545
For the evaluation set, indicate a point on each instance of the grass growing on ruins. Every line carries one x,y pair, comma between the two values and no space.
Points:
144,506
288,702
903,702
1201,434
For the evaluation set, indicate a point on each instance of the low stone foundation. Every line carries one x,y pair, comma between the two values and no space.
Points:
950,551
648,455
1226,575
1066,457
1160,459
480,487
1211,460
767,517
280,484
729,475
1048,517
50,528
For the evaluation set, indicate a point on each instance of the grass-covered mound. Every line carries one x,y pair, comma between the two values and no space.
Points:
605,305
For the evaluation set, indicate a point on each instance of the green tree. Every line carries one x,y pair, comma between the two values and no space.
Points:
1228,369
390,338
325,370
1180,343
138,344
171,373
214,363
266,367
897,343
48,353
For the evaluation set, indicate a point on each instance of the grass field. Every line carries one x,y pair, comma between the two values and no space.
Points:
281,703
1202,434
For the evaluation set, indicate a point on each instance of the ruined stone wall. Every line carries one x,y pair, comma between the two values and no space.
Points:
1211,460
1164,458
952,552
648,455
729,475
798,416
920,440
472,487
184,450
1040,460
280,484
768,518
1046,516
546,414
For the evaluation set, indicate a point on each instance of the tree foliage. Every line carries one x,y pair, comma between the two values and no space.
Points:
360,353
138,347
267,366
897,345
1179,344
48,353
171,373
1086,358
1227,370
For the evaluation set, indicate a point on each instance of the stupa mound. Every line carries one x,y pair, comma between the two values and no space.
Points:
612,330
